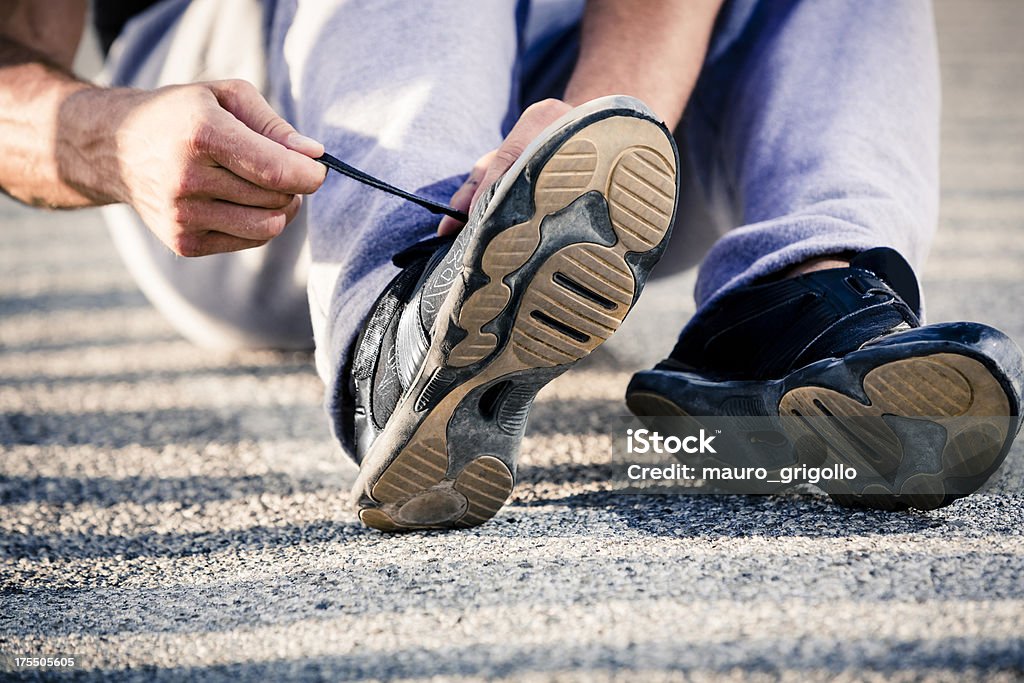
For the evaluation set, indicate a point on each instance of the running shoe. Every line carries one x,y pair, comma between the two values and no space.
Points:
924,414
457,347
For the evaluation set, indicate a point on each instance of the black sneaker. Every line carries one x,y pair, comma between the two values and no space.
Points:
460,343
925,414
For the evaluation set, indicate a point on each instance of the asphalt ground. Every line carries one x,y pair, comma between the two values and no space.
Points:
169,513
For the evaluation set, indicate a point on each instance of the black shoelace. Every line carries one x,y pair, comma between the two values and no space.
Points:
341,167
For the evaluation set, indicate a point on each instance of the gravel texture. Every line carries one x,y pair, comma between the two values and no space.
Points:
167,512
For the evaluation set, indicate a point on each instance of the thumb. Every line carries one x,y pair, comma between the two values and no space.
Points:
246,104
533,121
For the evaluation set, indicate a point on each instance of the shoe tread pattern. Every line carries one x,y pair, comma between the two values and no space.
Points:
948,389
577,299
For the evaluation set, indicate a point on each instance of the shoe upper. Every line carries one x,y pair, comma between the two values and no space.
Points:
393,344
395,339
764,331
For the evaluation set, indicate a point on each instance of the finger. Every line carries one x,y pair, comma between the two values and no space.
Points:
502,160
533,121
464,196
490,167
245,102
257,144
245,222
263,162
206,243
216,182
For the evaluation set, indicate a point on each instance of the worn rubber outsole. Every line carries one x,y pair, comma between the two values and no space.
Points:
926,417
548,272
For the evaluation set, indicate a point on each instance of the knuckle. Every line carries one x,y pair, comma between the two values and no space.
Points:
240,85
272,175
231,93
280,200
202,135
509,152
192,90
541,105
193,97
268,225
551,104
230,87
188,182
276,128
293,208
188,245
182,213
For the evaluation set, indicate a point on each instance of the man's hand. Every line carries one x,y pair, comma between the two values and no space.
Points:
209,167
493,165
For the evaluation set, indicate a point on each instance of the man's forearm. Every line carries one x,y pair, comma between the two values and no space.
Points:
41,131
48,129
652,50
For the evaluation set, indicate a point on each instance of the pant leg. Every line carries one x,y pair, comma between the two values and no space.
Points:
550,50
248,299
814,128
413,93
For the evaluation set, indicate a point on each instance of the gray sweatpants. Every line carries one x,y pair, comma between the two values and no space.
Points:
813,130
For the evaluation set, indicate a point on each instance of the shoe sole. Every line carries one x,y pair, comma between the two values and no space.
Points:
959,396
549,272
